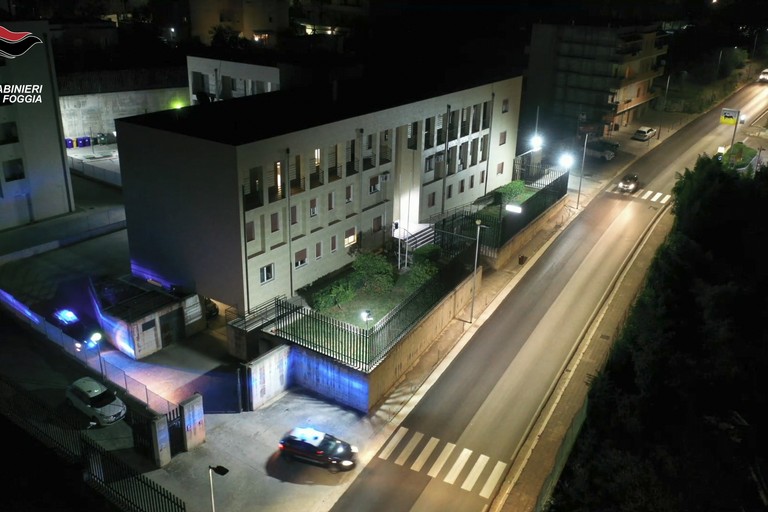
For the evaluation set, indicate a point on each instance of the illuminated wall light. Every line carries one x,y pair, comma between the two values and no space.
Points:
514,208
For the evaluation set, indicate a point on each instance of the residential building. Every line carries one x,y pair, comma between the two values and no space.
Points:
215,79
592,78
256,197
34,180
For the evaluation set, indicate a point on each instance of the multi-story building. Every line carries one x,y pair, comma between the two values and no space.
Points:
256,197
592,78
34,180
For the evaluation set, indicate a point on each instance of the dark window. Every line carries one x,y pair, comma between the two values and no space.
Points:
13,170
250,232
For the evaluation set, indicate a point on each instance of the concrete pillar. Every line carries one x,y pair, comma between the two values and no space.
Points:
161,443
193,418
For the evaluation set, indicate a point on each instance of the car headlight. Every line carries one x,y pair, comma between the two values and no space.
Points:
346,463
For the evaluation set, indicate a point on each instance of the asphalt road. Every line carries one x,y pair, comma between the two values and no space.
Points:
448,453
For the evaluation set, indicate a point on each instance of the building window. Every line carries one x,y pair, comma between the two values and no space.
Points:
333,243
482,176
250,232
503,138
429,163
318,250
8,133
300,258
13,170
430,200
377,224
267,273
500,168
374,185
294,215
504,106
330,201
348,194
449,192
313,207
471,182
349,237
274,221
461,186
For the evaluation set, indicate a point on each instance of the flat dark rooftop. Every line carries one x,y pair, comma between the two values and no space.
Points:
243,120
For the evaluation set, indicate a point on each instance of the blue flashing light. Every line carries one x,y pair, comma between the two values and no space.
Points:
66,316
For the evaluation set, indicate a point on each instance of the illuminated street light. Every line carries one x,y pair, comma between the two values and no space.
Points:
367,317
219,470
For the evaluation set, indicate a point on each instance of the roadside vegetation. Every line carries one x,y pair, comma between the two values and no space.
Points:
676,419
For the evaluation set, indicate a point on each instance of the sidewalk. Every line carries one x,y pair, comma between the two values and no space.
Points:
242,442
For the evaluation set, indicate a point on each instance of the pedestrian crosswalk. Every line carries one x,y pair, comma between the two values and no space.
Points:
641,193
462,467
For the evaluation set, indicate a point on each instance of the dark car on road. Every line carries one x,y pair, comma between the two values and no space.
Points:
629,183
311,445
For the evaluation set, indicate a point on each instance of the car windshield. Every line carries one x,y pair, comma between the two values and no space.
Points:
331,445
103,399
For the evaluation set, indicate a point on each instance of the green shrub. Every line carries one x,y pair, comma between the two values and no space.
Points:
511,191
428,252
339,293
373,273
421,272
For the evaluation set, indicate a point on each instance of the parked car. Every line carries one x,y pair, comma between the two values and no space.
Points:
99,403
606,143
629,183
311,445
644,133
763,76
599,150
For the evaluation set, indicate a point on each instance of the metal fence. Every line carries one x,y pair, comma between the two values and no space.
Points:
103,471
355,347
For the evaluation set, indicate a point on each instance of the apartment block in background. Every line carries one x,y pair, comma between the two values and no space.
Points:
592,78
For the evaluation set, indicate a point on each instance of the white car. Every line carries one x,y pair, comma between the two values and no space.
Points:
99,403
644,133
763,76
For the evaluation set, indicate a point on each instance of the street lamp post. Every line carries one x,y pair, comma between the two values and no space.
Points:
566,161
479,224
219,470
581,176
536,144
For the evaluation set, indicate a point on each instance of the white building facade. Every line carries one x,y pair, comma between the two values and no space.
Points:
34,178
254,198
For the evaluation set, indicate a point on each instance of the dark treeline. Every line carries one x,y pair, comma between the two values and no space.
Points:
676,421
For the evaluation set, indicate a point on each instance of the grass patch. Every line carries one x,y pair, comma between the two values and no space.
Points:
739,155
